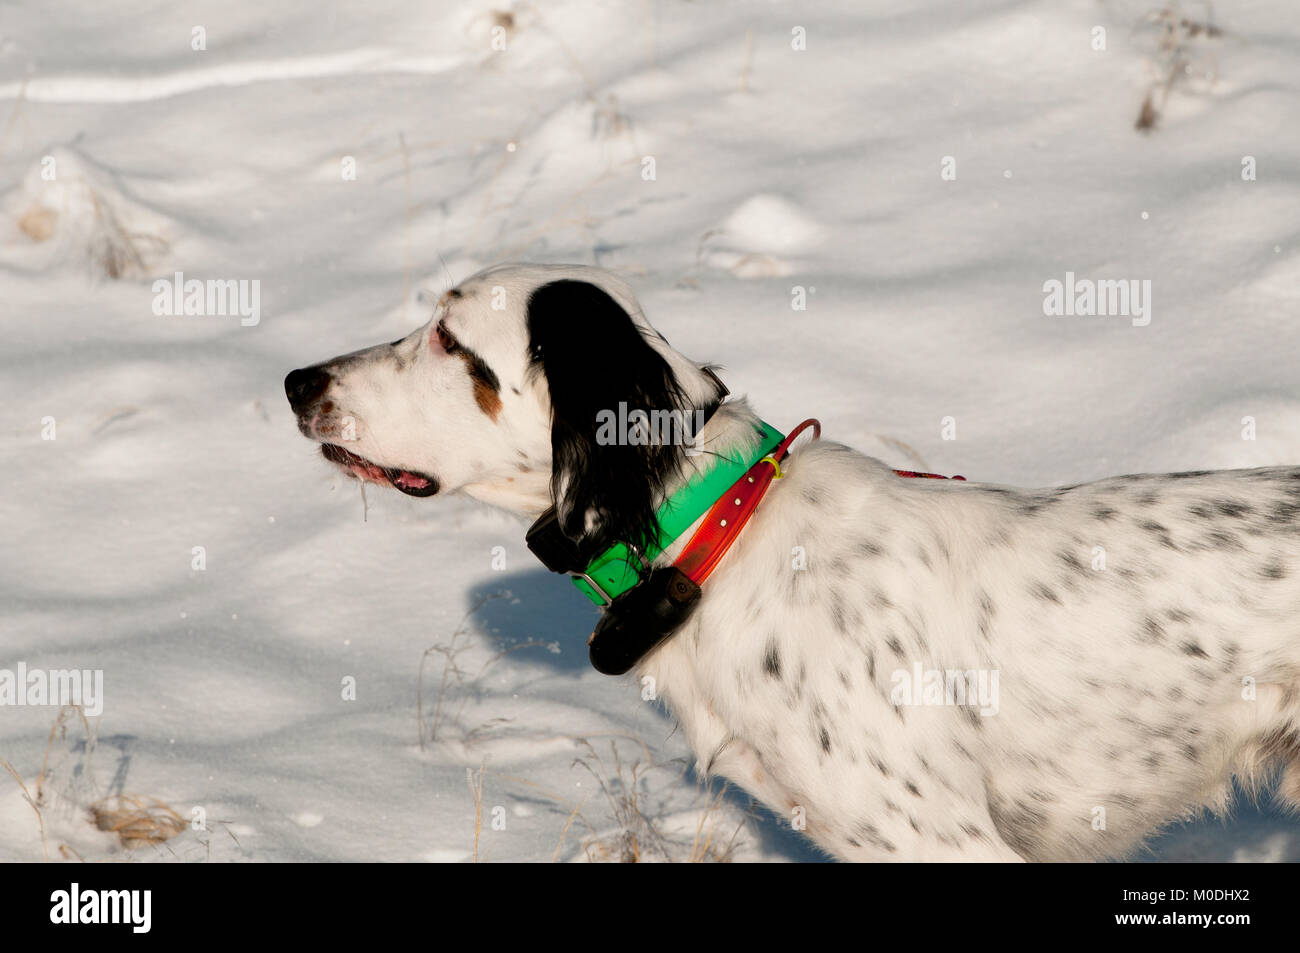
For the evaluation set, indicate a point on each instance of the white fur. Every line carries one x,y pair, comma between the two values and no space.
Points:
1129,693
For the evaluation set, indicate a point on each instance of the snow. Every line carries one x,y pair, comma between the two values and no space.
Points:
774,168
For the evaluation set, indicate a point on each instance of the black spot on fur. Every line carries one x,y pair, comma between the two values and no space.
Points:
825,738
1104,513
1233,508
1158,530
868,832
918,636
1152,630
1273,570
985,616
1284,512
1046,593
772,661
1192,649
1070,560
912,789
1221,539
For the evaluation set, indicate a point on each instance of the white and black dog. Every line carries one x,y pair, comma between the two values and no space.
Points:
1134,643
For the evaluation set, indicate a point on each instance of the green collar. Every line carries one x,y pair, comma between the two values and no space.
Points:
619,568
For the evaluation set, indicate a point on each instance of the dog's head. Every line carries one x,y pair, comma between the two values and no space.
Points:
523,390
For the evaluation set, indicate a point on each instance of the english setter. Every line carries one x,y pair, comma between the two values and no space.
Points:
912,669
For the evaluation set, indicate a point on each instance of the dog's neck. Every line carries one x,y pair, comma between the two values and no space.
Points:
528,493
731,431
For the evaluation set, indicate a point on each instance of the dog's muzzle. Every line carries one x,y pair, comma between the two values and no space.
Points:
305,387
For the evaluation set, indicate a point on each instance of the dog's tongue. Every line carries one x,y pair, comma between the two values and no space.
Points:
410,481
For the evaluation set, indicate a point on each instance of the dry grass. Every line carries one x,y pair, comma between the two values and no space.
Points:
638,837
112,249
708,847
38,801
117,252
622,790
13,114
747,63
33,802
476,791
901,446
1175,58
454,675
137,821
406,240
635,837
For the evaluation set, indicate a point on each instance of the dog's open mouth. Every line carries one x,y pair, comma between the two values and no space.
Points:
408,481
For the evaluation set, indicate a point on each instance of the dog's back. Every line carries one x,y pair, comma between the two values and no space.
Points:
1057,671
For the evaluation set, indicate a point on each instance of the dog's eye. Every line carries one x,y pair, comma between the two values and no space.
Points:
445,339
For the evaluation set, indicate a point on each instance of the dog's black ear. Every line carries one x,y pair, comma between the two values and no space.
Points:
594,358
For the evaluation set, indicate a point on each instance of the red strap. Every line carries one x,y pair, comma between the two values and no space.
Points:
725,519
927,476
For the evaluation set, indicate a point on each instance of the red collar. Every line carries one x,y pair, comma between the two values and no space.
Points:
651,611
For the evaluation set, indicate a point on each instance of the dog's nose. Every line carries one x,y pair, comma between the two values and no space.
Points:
304,386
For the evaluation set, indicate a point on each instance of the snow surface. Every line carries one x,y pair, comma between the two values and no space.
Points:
774,167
